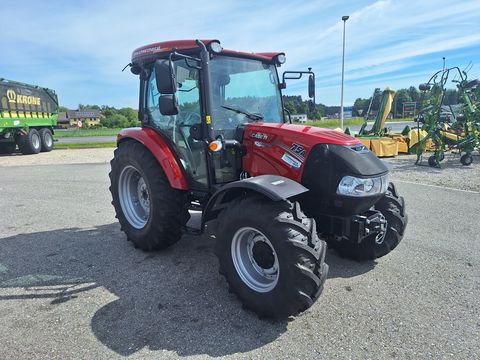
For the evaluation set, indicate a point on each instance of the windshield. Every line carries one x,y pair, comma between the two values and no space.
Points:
244,91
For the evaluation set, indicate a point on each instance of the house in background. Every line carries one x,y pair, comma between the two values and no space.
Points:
84,117
301,118
79,118
62,122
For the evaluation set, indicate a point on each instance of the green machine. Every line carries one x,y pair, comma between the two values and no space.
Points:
28,115
463,135
378,127
377,138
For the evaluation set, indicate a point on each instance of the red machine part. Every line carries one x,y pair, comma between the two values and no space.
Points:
147,51
282,149
272,149
160,150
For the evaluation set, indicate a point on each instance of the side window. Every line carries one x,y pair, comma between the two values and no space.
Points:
177,127
157,120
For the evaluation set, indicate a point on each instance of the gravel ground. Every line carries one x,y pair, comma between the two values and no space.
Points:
72,287
77,156
452,174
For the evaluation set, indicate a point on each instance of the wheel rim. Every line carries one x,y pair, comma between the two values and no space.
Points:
255,259
48,139
134,197
35,141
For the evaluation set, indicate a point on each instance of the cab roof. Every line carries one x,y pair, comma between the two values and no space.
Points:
147,52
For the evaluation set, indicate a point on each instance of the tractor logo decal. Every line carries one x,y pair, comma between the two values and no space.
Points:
11,95
260,136
290,160
298,150
295,149
22,99
262,144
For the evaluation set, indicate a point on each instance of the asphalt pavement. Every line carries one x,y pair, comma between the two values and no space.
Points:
72,287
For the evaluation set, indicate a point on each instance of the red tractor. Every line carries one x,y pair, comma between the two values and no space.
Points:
213,138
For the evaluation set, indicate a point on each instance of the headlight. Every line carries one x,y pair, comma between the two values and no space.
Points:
353,186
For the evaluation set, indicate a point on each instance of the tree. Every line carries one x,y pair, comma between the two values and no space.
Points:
95,107
129,113
360,107
414,94
115,121
401,96
451,97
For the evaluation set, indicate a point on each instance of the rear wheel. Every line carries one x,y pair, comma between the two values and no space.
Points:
150,211
47,139
392,208
271,256
30,143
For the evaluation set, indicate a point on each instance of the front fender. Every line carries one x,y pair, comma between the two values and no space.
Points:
159,148
274,187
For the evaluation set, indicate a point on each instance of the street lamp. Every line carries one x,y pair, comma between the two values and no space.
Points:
344,19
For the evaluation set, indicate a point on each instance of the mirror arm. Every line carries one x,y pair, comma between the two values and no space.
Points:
289,115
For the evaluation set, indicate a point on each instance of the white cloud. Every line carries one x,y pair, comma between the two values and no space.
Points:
79,49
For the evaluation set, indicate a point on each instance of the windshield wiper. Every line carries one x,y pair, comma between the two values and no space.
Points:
254,117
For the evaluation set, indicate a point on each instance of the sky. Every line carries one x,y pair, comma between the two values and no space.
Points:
79,47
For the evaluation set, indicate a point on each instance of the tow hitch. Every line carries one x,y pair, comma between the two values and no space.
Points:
373,223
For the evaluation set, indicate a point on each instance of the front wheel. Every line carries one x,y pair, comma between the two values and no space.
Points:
392,207
271,256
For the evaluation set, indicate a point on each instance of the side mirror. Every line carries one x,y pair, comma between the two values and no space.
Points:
168,104
165,77
196,132
311,86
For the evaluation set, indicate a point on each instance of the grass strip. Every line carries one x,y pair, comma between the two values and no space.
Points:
86,145
85,132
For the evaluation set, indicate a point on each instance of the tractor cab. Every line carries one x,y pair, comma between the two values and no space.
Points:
200,97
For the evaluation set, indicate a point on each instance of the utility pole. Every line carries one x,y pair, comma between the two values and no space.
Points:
344,19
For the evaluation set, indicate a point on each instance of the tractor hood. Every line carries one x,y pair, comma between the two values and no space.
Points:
307,135
317,158
285,150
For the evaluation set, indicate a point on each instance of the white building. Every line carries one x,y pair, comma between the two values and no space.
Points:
302,118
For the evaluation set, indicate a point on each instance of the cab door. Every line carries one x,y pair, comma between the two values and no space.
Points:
176,128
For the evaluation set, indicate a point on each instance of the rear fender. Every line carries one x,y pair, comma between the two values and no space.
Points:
273,187
159,148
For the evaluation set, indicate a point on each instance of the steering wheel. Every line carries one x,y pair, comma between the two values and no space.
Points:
223,120
189,118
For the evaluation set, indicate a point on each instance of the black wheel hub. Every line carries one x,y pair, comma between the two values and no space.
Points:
263,255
